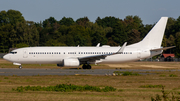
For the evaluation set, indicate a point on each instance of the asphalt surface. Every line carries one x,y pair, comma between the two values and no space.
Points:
33,72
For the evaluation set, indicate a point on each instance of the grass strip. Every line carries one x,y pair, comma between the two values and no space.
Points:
126,73
64,88
151,86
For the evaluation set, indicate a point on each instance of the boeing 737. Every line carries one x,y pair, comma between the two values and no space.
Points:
76,56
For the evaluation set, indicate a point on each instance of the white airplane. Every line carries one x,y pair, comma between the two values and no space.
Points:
75,56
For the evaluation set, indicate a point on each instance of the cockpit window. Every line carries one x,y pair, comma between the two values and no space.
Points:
13,52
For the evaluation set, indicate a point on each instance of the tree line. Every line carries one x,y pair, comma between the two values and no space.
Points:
16,32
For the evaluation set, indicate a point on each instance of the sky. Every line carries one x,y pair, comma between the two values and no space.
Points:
149,11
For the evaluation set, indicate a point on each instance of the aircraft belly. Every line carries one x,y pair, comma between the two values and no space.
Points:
120,58
40,60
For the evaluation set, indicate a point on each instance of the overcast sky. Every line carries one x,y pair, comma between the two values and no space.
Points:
149,11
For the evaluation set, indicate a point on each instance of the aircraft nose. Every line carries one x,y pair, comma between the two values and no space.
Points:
5,57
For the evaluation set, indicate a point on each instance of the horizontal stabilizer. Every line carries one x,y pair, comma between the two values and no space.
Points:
162,48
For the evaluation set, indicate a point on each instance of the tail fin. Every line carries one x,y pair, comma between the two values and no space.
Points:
154,38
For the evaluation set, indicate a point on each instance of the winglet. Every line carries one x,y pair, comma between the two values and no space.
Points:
122,48
98,45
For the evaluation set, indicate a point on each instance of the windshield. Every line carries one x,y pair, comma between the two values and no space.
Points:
13,52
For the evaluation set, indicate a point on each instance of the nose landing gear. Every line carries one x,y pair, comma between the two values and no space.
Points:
20,67
86,66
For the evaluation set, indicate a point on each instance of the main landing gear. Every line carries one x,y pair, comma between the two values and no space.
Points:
86,66
20,67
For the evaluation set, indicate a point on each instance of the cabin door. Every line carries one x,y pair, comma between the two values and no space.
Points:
25,53
138,53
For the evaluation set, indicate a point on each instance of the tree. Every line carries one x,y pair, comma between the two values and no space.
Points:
177,42
133,26
20,45
134,36
66,21
79,34
171,42
98,33
49,22
52,42
177,25
119,35
82,21
10,17
170,27
107,21
15,16
3,18
27,33
144,30
5,31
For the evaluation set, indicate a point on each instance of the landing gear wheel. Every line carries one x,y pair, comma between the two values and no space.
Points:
86,66
20,67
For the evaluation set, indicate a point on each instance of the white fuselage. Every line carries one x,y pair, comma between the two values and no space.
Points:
55,55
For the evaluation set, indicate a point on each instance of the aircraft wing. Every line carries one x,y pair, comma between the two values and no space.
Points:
162,48
102,56
92,58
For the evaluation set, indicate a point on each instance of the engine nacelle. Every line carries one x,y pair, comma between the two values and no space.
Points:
70,63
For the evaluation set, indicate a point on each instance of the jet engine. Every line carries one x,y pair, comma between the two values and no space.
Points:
69,63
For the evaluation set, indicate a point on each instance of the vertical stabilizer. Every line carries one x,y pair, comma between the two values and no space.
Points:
154,38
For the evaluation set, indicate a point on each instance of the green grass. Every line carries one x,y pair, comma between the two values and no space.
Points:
172,75
162,75
126,73
151,86
64,88
6,78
